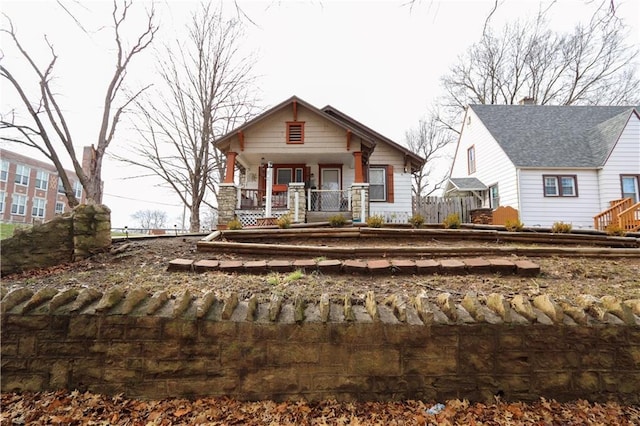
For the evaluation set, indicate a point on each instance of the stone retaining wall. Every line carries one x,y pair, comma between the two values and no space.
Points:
70,237
157,346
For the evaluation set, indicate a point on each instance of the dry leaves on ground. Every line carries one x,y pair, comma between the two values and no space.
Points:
76,408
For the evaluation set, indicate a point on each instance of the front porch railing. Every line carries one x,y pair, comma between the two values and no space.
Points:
629,219
255,199
329,200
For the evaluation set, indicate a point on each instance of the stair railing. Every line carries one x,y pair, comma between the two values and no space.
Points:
609,216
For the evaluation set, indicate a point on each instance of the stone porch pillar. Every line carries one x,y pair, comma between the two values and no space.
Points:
227,201
360,202
298,202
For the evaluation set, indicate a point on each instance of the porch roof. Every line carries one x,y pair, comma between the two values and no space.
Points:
465,184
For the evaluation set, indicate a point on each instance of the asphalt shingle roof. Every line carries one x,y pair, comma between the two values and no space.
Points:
554,136
468,184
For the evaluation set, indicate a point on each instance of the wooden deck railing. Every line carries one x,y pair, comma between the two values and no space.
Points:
254,199
609,216
629,219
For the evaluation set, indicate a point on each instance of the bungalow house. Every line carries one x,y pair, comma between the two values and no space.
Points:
312,163
574,164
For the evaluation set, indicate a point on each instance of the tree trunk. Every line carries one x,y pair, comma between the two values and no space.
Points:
194,221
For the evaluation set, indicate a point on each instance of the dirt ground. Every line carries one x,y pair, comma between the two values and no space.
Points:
143,263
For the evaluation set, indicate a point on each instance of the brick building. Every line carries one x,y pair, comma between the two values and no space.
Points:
30,190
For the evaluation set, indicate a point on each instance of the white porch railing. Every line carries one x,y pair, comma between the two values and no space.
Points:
329,200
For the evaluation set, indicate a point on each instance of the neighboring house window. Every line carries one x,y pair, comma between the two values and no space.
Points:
59,207
2,195
471,159
381,183
19,204
295,132
560,186
42,180
494,197
38,207
77,189
22,175
60,186
631,187
4,170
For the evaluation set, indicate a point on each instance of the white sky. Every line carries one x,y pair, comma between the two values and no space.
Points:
378,61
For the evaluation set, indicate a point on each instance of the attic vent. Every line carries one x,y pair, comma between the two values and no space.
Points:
295,132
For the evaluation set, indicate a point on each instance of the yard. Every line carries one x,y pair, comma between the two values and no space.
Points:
143,263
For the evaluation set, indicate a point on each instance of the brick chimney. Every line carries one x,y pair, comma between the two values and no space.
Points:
88,157
527,100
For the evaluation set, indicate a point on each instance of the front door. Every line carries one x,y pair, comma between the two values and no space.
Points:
330,183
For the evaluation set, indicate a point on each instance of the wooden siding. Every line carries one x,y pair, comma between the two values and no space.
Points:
402,202
624,159
538,210
320,135
492,164
385,155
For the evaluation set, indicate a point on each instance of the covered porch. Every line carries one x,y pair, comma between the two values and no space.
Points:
310,187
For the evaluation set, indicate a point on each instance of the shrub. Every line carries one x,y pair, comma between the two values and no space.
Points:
416,220
513,225
235,224
561,228
284,221
452,221
337,221
376,221
615,230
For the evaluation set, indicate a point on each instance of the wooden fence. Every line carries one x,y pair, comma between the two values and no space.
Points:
436,209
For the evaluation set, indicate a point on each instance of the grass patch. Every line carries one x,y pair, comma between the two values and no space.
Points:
7,229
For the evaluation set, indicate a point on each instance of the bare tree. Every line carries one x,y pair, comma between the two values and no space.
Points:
151,219
48,127
206,91
591,65
429,140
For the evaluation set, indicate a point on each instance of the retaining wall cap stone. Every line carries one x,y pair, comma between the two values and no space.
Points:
395,309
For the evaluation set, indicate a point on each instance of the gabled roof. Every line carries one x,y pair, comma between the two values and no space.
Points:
467,184
369,136
351,122
555,136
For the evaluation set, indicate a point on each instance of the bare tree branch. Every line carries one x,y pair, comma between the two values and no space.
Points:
206,91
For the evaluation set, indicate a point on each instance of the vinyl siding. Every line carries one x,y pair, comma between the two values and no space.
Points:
402,197
624,159
538,210
492,164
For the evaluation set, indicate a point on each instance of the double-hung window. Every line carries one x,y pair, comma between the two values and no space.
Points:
77,189
60,186
19,204
630,187
377,184
4,170
59,207
22,175
560,185
494,197
42,180
2,196
38,207
471,159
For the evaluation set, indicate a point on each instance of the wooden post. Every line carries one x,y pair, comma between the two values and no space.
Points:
357,159
231,165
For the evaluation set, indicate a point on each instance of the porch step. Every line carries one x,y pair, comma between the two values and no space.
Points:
313,216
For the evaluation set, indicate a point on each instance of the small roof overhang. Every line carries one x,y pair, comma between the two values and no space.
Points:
465,185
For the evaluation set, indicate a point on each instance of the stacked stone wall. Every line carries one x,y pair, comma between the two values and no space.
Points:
73,236
158,346
227,201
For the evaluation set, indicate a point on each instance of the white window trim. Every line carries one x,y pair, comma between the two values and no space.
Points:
19,206
382,169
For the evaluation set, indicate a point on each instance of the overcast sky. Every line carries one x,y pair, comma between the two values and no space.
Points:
378,61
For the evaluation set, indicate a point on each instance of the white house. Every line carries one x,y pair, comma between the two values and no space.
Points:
551,163
321,156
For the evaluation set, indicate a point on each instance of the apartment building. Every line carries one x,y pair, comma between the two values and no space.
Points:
31,191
